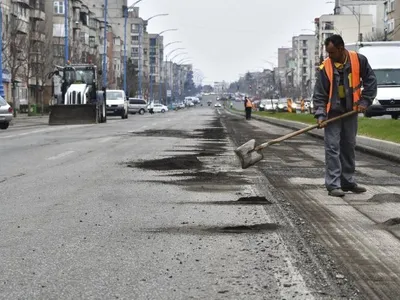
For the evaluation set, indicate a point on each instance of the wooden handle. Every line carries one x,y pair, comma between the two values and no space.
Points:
304,130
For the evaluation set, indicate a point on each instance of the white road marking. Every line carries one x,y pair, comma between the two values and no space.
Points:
61,155
43,130
105,140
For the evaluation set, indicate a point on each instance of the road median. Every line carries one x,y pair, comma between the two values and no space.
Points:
376,136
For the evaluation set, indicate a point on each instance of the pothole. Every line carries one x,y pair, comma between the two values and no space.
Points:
200,230
391,222
182,162
253,200
385,198
249,228
242,201
165,133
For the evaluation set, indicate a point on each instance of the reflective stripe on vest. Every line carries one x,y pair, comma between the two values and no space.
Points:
249,104
355,78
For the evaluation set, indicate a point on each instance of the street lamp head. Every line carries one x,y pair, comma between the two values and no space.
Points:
158,15
172,29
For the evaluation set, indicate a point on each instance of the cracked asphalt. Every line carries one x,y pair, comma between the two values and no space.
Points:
157,207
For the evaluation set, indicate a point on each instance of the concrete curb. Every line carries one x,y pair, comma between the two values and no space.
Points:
379,148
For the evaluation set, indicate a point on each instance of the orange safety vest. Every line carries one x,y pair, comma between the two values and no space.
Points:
248,103
355,78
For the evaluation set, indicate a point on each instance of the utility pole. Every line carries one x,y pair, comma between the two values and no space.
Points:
159,71
125,58
1,50
105,46
66,46
140,61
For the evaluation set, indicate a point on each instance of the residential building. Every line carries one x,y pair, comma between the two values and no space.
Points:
375,8
156,56
345,25
303,49
282,56
392,17
23,39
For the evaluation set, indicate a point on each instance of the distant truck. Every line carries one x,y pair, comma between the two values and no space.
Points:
384,58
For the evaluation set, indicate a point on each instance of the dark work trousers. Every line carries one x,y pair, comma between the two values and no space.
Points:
340,144
248,113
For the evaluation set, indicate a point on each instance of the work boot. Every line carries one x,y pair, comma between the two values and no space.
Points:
336,193
356,189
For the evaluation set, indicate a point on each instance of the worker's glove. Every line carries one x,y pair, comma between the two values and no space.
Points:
321,121
361,109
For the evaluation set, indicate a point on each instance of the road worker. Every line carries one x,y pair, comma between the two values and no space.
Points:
248,105
337,91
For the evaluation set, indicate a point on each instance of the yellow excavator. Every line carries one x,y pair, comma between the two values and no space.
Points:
78,99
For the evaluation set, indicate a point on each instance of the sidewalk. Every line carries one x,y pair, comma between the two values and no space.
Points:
23,120
379,148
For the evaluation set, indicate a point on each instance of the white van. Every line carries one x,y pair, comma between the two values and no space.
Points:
384,58
117,104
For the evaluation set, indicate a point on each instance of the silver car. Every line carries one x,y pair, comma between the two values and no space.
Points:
6,113
136,105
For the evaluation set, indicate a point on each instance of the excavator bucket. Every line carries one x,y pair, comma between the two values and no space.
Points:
74,114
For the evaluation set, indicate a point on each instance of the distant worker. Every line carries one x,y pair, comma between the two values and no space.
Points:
337,91
248,105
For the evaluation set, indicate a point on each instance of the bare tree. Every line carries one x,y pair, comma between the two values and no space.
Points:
43,63
376,36
15,49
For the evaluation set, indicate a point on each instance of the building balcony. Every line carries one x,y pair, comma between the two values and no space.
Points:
37,14
37,36
77,25
23,2
76,3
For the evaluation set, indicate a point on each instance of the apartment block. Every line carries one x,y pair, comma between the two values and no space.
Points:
23,39
392,18
303,49
345,25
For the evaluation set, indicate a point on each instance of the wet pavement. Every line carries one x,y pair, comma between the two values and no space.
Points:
157,207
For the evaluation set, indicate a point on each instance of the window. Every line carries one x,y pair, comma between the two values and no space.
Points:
58,30
59,7
390,25
153,42
152,60
135,28
391,5
135,38
92,41
304,43
304,52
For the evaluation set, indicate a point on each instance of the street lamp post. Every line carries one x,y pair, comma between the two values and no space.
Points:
126,12
66,46
105,46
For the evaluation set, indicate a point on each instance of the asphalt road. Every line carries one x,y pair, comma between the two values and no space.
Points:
157,207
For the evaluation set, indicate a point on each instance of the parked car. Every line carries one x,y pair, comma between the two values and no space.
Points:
6,113
217,104
181,105
157,107
137,105
282,105
268,104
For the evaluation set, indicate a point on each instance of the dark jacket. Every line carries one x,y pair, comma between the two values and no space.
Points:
321,89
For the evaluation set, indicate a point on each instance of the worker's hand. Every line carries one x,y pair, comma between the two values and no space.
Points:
321,123
361,109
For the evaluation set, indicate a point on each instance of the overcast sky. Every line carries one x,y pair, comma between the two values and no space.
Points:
226,38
